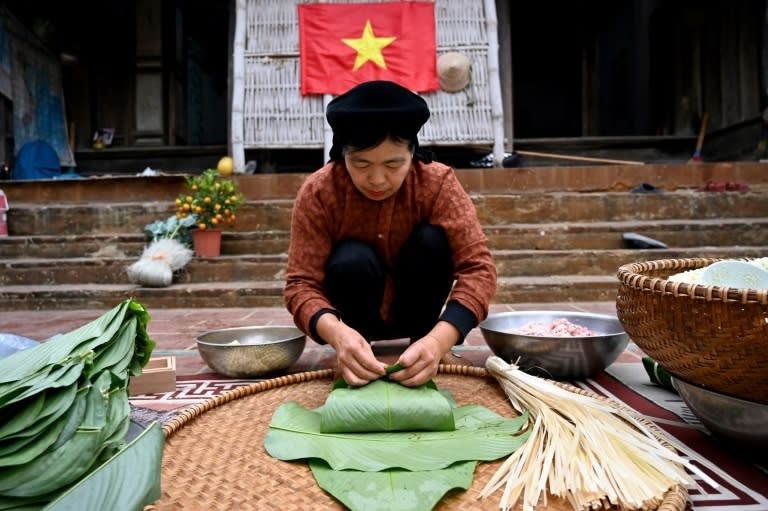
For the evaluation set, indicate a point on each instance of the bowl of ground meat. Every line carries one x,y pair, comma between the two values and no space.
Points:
559,345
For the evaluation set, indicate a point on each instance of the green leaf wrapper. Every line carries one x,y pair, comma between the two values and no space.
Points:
386,406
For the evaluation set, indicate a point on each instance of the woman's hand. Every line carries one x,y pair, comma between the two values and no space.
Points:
356,362
422,358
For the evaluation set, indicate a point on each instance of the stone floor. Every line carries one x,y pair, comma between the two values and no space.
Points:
175,330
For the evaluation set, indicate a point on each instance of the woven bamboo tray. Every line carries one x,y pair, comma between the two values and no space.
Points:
214,457
715,337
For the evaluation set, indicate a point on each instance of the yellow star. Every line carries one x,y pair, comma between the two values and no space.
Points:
369,47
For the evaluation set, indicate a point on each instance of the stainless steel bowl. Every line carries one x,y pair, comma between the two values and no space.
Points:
560,358
742,422
250,351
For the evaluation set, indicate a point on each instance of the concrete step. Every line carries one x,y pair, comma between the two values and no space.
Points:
532,277
608,235
269,293
555,233
517,236
33,219
523,265
584,178
128,245
27,219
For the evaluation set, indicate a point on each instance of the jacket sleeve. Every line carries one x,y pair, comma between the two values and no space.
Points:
475,274
309,247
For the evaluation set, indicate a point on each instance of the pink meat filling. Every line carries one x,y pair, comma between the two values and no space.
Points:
557,328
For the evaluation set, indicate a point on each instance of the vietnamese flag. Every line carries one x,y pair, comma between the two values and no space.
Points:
342,45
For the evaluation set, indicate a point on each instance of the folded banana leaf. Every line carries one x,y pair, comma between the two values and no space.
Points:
406,470
384,406
480,434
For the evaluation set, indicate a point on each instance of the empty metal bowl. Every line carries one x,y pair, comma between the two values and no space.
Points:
250,351
559,358
742,422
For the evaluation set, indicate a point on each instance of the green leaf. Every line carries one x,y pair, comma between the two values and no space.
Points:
63,465
59,376
480,434
116,356
386,406
128,481
22,364
392,489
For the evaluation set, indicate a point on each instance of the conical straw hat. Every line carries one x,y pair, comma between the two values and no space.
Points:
453,71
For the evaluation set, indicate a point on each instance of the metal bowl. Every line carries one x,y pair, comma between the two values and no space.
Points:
250,351
742,422
559,358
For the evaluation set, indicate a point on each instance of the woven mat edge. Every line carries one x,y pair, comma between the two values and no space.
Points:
676,499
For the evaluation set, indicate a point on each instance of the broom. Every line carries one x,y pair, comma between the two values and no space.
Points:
696,158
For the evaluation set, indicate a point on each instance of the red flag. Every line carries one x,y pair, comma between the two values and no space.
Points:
342,45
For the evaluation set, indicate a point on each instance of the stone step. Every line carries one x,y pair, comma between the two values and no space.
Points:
540,236
128,245
250,293
555,233
509,263
28,219
584,178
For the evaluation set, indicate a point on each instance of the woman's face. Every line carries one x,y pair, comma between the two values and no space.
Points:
379,172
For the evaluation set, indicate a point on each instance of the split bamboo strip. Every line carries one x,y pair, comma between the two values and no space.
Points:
588,450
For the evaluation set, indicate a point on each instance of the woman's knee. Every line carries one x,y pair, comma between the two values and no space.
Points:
353,259
430,239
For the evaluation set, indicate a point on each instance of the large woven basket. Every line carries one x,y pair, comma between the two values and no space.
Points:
214,457
715,337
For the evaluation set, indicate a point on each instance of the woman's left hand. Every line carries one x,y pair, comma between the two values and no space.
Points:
422,358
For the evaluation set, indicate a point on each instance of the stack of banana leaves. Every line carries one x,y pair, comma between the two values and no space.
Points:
65,418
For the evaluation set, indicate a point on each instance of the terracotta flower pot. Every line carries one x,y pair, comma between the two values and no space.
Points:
207,242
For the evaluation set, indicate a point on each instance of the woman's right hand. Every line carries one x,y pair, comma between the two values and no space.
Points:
356,363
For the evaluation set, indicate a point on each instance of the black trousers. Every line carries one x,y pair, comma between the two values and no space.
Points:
422,277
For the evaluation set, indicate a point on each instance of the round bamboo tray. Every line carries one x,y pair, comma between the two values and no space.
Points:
214,457
711,336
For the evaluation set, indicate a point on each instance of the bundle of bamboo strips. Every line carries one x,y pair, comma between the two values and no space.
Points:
586,449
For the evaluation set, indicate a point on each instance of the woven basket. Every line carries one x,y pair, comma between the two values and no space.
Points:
214,457
715,337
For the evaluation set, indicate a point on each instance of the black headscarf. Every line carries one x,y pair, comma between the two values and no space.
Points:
370,112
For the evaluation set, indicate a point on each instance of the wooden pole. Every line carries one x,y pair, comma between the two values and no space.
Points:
497,109
579,158
237,147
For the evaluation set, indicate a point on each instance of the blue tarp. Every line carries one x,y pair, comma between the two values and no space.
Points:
36,160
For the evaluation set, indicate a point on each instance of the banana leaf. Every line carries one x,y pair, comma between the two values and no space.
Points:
27,367
378,491
480,435
386,406
66,461
49,438
127,481
31,416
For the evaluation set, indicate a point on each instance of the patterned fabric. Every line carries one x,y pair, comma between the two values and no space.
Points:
329,209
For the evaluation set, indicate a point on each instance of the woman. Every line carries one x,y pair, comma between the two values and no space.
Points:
385,244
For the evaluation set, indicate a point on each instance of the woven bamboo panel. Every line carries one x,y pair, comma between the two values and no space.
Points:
275,115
